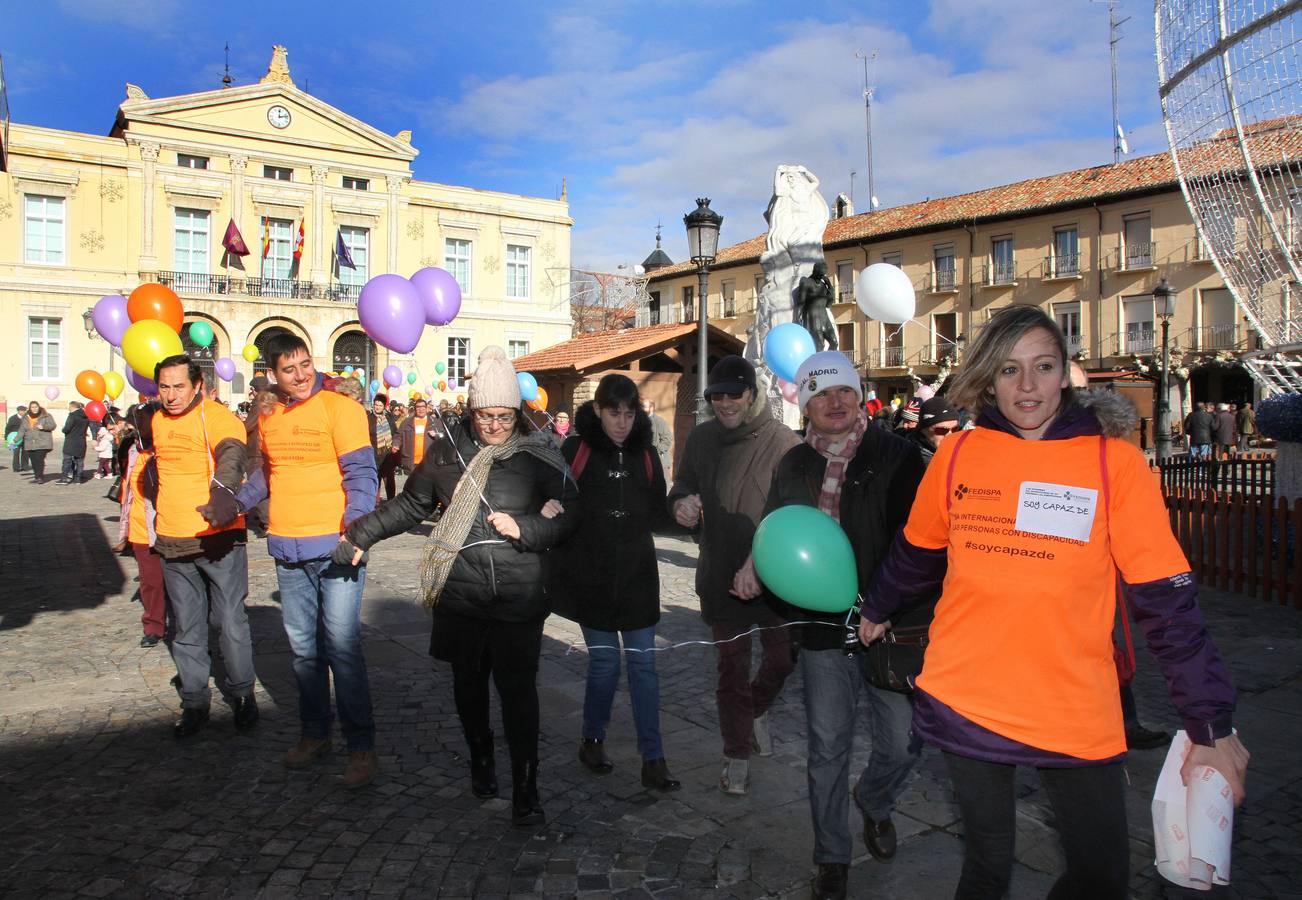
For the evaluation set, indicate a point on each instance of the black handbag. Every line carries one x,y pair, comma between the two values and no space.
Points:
115,490
894,662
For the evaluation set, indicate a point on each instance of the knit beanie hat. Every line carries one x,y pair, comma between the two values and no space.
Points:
493,382
831,368
911,411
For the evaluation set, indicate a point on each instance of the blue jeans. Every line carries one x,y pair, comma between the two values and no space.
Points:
321,604
643,686
832,682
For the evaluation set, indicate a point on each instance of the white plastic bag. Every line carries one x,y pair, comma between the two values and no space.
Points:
1192,826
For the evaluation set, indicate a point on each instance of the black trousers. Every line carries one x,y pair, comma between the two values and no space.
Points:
20,459
1089,806
37,459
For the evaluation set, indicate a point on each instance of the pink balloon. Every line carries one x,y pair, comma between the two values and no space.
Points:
52,392
440,294
790,392
391,312
925,392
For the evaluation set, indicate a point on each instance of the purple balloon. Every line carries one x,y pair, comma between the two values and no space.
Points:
391,312
452,384
392,376
145,387
440,293
110,318
225,368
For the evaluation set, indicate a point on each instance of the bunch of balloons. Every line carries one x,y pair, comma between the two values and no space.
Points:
146,326
394,310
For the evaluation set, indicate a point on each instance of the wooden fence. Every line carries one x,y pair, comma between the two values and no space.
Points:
1242,542
1248,473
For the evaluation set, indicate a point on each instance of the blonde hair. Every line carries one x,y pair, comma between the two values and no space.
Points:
973,387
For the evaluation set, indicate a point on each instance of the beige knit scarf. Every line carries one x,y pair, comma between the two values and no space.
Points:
838,456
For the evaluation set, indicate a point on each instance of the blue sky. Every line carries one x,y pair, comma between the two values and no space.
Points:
641,107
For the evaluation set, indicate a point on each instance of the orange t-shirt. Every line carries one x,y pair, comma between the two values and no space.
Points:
137,516
1022,639
302,446
183,446
418,427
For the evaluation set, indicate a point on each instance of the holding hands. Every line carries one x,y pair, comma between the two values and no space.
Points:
687,510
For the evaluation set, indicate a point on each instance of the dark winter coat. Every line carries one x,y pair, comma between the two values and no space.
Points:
491,578
395,437
1199,426
876,496
74,434
731,470
606,576
1223,430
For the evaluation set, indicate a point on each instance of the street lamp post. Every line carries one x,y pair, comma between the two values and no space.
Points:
1164,306
703,226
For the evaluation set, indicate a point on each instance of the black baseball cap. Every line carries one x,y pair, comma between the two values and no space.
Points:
730,375
936,409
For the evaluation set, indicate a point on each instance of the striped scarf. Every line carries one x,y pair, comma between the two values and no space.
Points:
838,456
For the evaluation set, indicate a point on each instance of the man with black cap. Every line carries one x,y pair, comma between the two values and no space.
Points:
936,418
719,488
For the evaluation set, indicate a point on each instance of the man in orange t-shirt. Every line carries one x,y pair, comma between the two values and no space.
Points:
199,452
415,435
319,473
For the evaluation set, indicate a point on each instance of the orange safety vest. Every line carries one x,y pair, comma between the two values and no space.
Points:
1021,643
418,427
183,446
138,515
302,445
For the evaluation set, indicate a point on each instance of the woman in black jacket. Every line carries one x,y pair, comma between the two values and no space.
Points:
611,582
483,572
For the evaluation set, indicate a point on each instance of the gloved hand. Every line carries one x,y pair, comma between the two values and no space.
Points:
344,552
221,509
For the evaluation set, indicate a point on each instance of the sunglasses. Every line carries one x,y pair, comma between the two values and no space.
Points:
730,393
505,418
943,429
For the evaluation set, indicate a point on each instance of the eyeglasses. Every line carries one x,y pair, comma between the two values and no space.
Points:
486,418
942,429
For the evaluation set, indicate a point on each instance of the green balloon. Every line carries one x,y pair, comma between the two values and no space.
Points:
440,368
803,556
201,333
12,437
411,377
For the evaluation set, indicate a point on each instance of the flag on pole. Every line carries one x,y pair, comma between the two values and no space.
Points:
234,241
266,236
344,258
1121,140
298,244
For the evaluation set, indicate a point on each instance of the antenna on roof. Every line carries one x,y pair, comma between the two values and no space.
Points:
227,81
868,89
1119,145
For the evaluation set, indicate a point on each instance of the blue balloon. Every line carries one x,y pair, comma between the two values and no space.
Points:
529,385
375,386
348,370
786,347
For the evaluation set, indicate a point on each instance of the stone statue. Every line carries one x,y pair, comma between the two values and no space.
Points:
813,297
797,217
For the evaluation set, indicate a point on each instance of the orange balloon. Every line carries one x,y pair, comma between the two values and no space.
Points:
90,384
540,402
156,301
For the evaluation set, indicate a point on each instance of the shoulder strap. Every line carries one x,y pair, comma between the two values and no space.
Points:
580,459
650,471
1121,587
949,473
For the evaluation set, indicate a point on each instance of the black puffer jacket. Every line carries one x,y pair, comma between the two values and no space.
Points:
876,496
74,434
607,577
505,581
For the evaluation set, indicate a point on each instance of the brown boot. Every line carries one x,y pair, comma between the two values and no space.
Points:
362,768
306,752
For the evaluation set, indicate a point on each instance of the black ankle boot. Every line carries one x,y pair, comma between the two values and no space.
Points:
526,808
483,767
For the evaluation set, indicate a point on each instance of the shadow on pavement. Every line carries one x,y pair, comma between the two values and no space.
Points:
55,564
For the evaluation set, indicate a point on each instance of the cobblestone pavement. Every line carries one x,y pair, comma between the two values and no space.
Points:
99,799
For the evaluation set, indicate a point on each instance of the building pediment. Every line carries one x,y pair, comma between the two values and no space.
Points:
246,112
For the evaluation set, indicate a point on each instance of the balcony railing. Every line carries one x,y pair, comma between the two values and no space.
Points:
1000,273
1075,344
343,293
1139,255
288,288
942,280
941,348
1217,337
892,357
195,282
845,294
1140,340
1063,265
662,315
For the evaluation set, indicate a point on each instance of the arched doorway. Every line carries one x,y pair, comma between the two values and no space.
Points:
354,348
1222,383
204,356
261,366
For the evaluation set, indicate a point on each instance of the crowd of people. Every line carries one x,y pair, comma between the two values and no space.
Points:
994,531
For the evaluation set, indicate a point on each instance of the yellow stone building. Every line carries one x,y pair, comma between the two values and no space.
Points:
82,216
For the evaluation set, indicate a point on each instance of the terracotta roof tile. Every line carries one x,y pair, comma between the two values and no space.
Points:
588,351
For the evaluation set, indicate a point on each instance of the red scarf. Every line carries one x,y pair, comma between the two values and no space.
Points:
838,456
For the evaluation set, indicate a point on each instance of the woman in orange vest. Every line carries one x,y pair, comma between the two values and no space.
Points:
136,521
1027,520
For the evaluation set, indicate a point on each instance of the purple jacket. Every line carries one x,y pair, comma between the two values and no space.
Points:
1167,611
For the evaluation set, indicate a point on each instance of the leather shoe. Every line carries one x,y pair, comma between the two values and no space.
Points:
305,752
593,755
192,719
829,883
150,640
655,774
363,765
246,712
879,837
1140,738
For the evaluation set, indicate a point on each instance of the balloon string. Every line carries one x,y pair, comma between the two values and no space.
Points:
754,629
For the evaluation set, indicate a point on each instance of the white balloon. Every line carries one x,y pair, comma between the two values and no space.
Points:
885,293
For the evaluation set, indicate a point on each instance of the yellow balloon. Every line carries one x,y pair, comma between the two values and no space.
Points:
251,352
147,343
114,384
